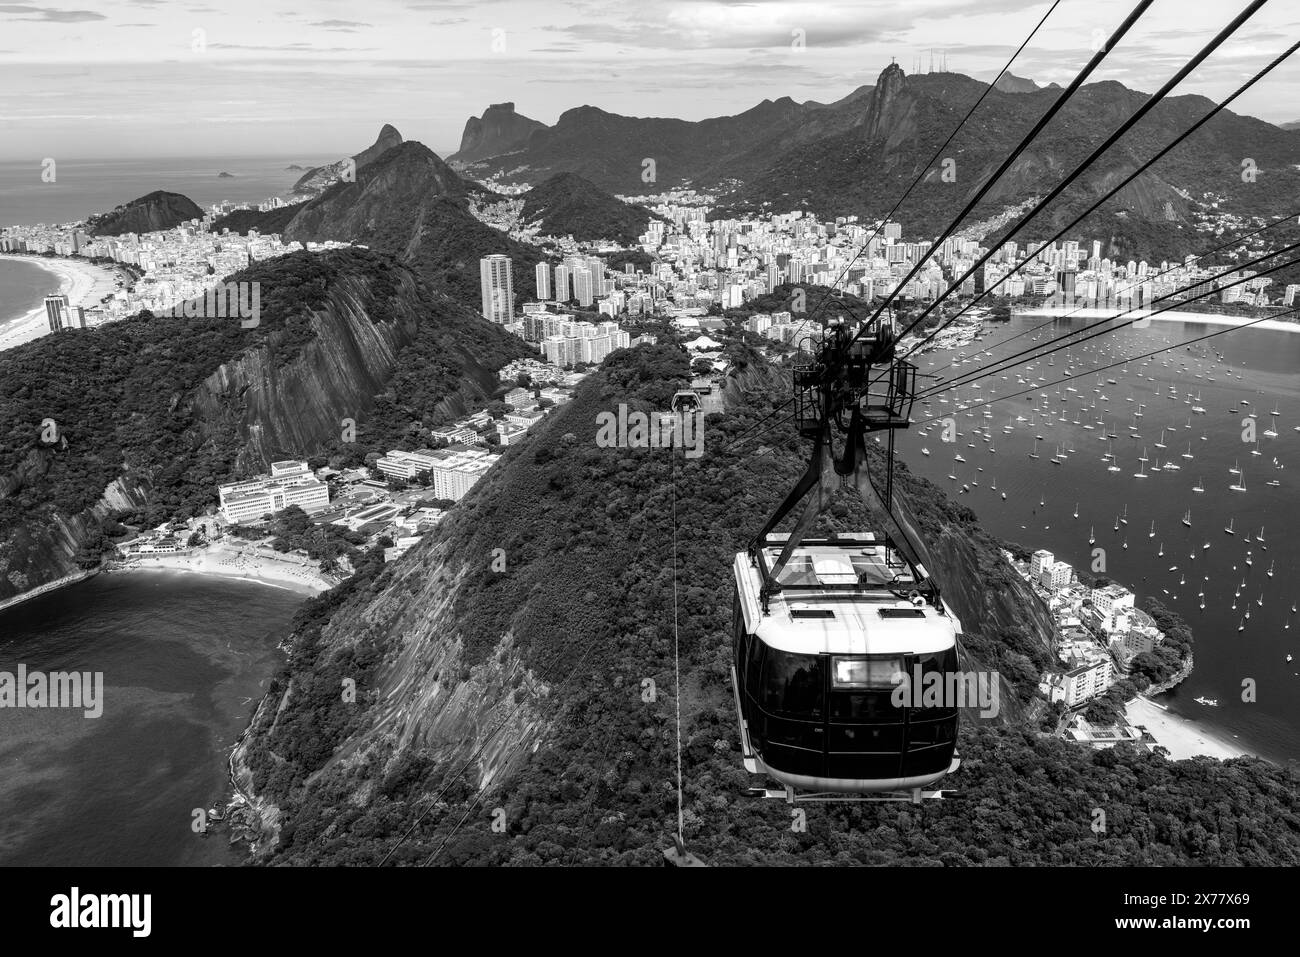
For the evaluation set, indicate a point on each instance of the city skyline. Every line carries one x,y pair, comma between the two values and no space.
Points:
324,79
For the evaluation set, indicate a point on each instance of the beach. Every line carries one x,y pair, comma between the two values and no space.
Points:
83,282
1182,737
1173,315
245,563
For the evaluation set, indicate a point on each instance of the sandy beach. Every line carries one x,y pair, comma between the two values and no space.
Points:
1173,315
83,282
245,563
1182,737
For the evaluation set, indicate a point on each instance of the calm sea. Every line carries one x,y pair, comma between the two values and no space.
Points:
1258,367
22,287
185,662
84,187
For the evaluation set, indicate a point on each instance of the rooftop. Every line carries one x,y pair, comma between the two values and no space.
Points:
847,596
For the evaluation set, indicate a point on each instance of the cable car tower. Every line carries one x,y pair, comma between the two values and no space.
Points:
831,634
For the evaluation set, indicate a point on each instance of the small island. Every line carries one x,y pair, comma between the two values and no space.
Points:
295,168
225,175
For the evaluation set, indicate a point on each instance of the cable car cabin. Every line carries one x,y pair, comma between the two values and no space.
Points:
815,677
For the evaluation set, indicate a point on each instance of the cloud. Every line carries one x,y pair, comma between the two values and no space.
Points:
299,47
347,26
50,14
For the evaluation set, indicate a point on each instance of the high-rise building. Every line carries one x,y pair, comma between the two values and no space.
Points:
57,313
562,284
543,281
497,287
582,287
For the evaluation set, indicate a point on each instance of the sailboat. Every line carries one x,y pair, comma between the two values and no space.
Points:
1092,535
1187,519
1199,486
1152,533
1123,519
1076,509
1188,454
1271,431
1161,443
1034,453
1240,484
1270,568
1228,528
1161,553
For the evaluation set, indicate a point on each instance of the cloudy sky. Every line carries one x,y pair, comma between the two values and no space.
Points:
107,78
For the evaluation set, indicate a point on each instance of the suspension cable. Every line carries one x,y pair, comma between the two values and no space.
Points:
880,224
1002,365
1134,285
1128,124
1112,365
1057,105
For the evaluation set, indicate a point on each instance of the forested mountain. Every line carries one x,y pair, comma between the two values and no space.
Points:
150,413
157,211
858,155
528,680
413,206
569,205
315,181
611,150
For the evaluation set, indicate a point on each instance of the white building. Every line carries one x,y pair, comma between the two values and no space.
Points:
1040,560
497,287
290,483
1112,605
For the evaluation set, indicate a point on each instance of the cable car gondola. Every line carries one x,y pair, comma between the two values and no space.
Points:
830,634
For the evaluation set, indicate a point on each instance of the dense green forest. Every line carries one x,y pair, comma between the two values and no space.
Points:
120,394
601,787
271,221
566,204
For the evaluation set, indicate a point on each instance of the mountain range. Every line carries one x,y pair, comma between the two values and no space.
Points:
857,155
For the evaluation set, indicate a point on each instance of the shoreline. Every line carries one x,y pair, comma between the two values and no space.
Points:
1183,737
83,282
1173,315
235,564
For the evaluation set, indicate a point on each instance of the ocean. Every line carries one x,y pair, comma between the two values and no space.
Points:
185,661
1041,497
84,187
22,287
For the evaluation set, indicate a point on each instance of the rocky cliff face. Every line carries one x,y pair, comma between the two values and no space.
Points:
38,552
499,130
428,702
293,408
